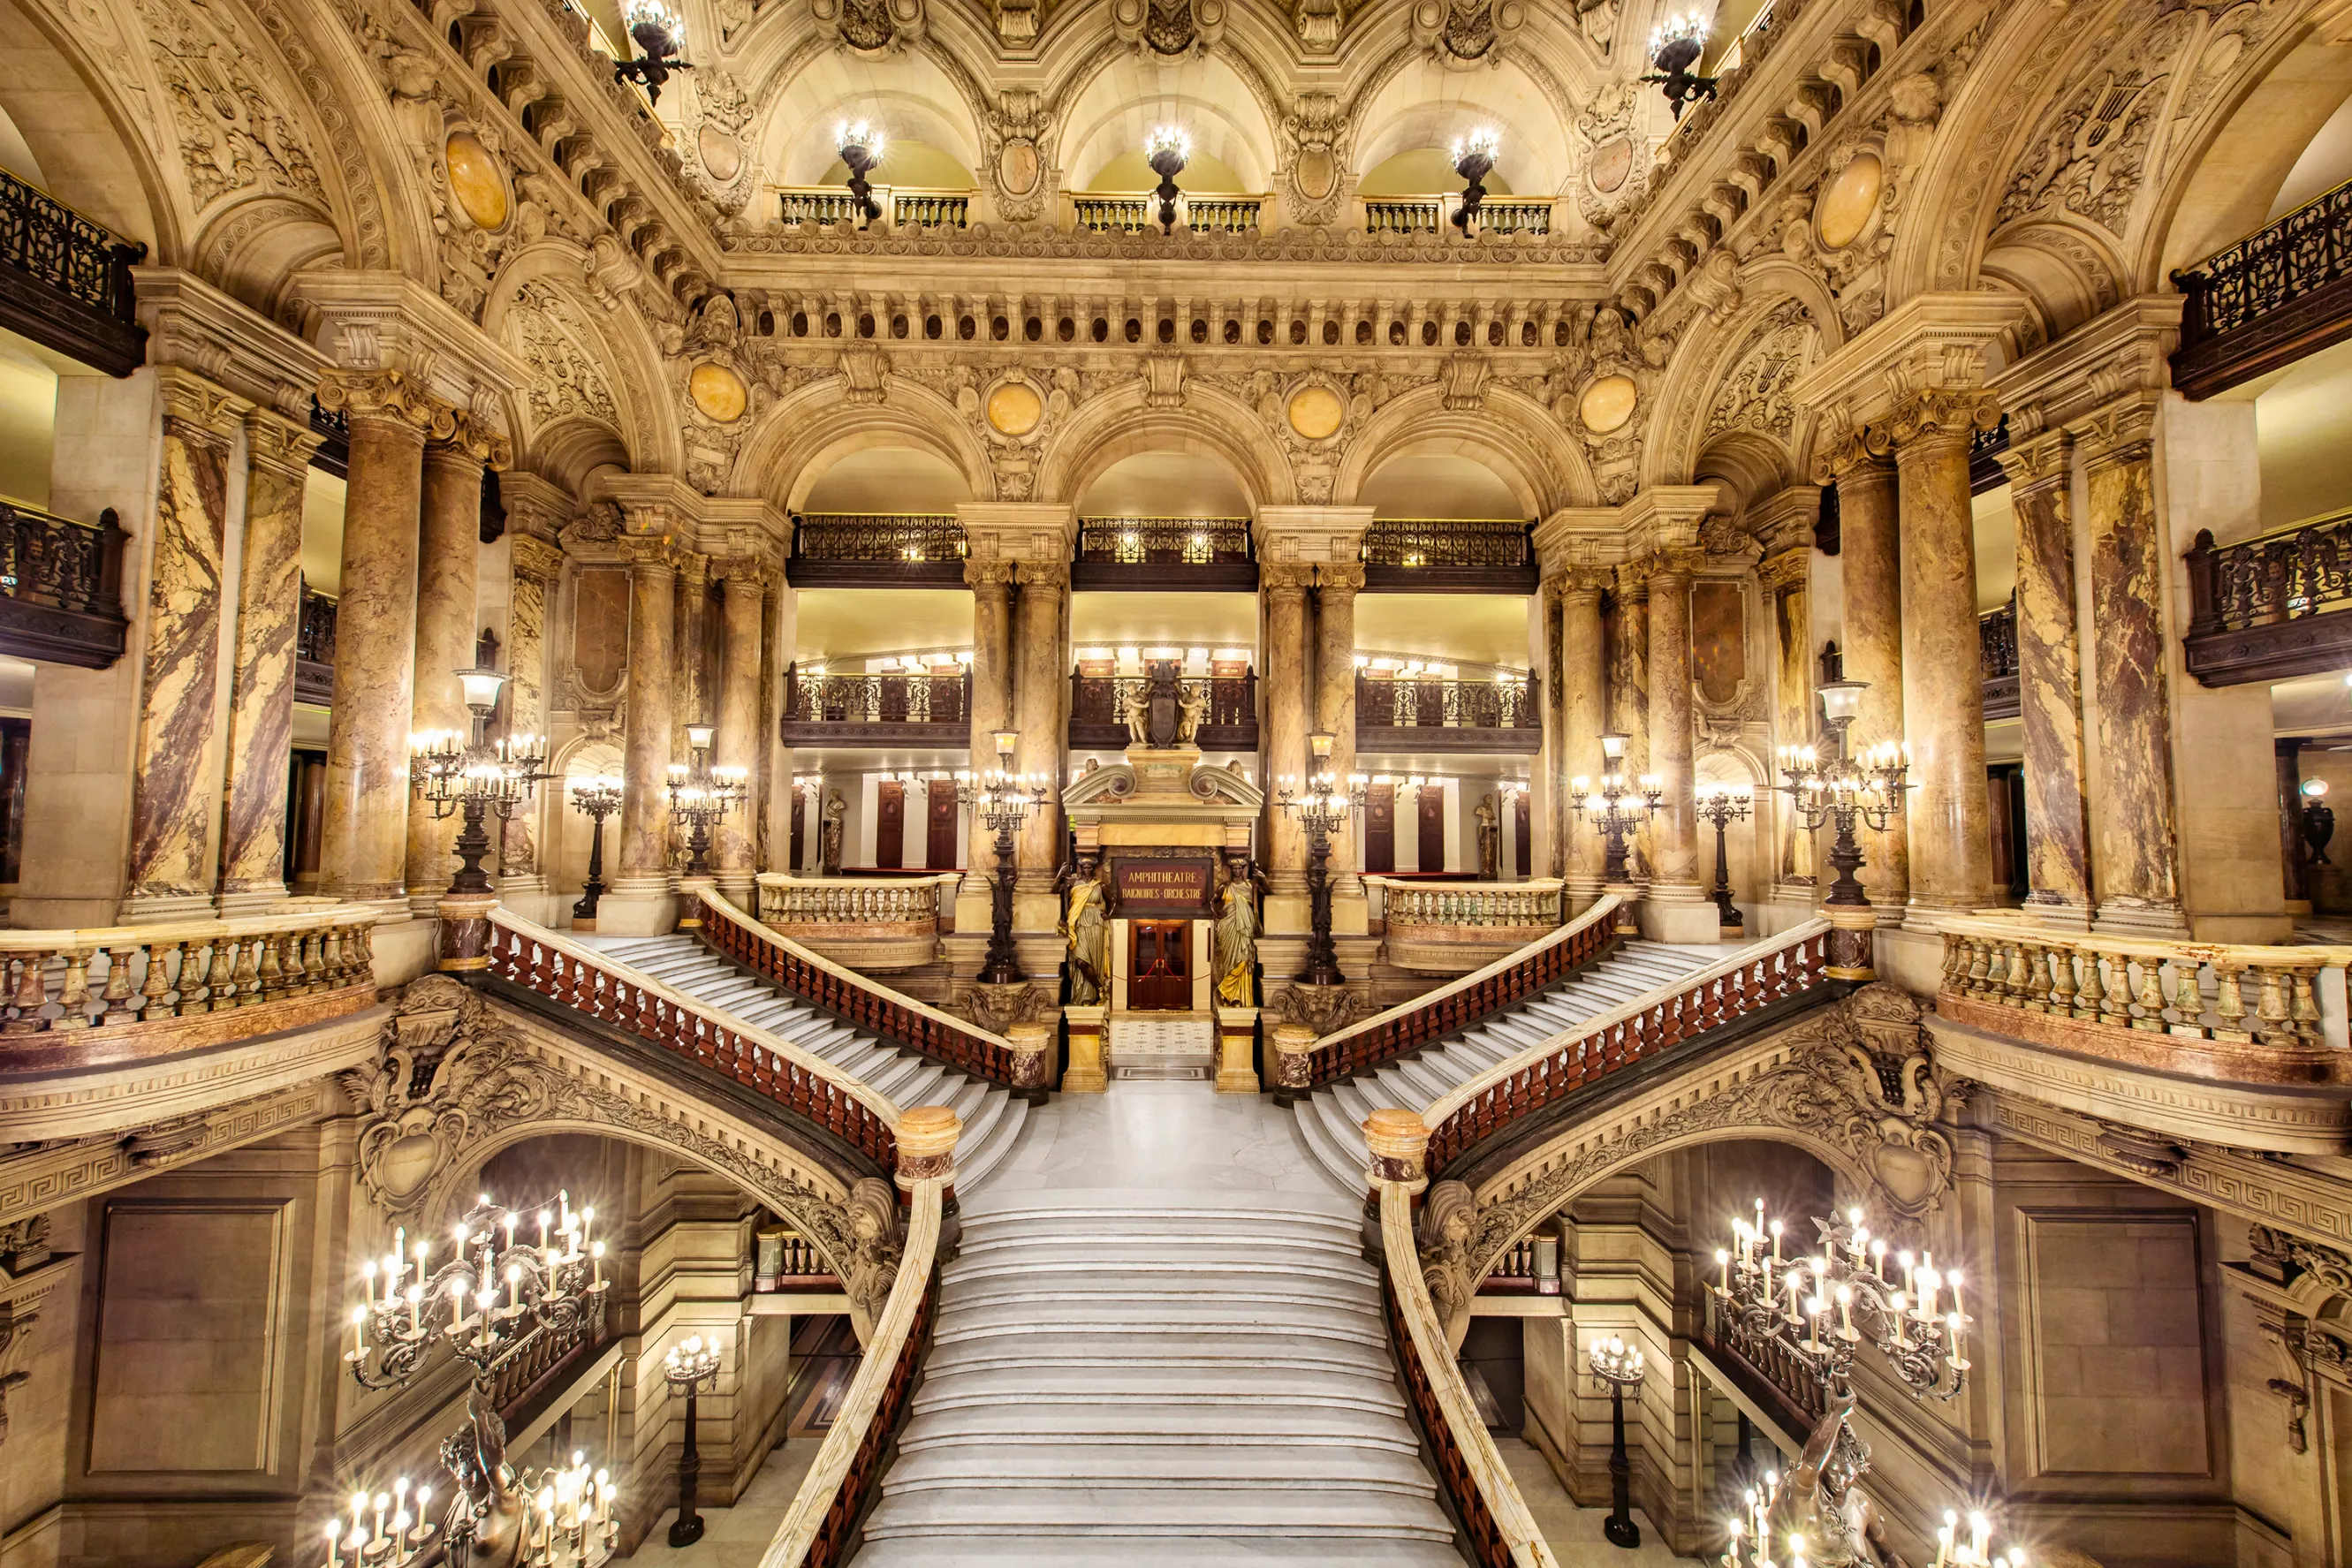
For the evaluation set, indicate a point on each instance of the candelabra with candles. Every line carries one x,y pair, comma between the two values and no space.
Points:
659,34
399,1536
686,1368
1005,799
1618,807
1719,806
860,145
1322,809
1168,149
1761,1538
474,775
570,1520
1619,1365
600,798
1846,792
700,794
1474,159
1676,45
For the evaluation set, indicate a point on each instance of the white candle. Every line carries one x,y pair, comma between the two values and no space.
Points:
1722,1259
381,1501
334,1541
1845,1310
1953,1280
596,1256
514,1287
1776,1241
416,1306
359,1332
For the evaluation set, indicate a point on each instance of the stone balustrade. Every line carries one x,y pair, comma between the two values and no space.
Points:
86,998
1453,927
869,924
2241,1014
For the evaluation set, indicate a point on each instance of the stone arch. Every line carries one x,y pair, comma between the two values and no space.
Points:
910,93
1509,434
546,408
1420,103
82,131
1121,424
2068,271
1713,348
806,432
1753,464
1112,104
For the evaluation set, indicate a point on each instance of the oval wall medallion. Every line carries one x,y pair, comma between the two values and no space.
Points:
1014,408
1018,166
1847,202
722,155
1318,174
1611,161
1608,403
1315,412
718,391
476,180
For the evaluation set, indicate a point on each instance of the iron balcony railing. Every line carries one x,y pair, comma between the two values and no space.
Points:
812,703
2280,293
314,648
1098,705
61,586
876,548
1411,702
2304,571
1163,541
65,281
1996,651
1419,542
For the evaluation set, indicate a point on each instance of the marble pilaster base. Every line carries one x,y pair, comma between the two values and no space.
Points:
2060,914
249,901
1351,915
1673,913
2141,917
155,910
640,906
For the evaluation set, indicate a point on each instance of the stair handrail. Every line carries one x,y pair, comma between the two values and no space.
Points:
1480,994
1762,972
1502,1530
818,1529
775,1067
858,998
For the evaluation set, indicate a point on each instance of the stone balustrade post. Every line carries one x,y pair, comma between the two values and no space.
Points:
927,1138
1398,1142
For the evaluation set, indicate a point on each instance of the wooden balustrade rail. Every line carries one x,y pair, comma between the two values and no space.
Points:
856,1000
121,992
1769,1363
1757,976
601,988
1477,996
820,1530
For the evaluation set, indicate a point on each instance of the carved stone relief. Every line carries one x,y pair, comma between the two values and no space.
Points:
1169,27
1462,34
565,380
873,28
1314,177
718,154
1755,394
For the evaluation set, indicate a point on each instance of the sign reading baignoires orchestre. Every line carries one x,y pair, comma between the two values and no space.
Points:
1157,885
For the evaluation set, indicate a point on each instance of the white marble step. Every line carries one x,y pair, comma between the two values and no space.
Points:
1171,1552
1289,1507
1176,1300
1050,1423
1024,1347
1166,1390
1226,1465
1077,1264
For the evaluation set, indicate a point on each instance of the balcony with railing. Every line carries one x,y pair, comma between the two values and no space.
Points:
1139,213
821,708
1435,215
877,549
61,588
2280,293
1453,927
1101,704
877,924
65,281
1997,646
1158,554
1409,712
1450,554
314,649
903,207
2273,608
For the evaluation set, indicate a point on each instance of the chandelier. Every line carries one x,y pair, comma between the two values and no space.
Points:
860,145
1618,807
1474,159
1676,45
1168,149
1002,800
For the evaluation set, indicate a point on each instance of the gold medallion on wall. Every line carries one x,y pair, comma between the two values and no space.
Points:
1846,210
1608,403
1316,411
1014,408
719,392
477,181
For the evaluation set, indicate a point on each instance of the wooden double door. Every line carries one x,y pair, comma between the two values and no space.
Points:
1160,966
1381,828
890,826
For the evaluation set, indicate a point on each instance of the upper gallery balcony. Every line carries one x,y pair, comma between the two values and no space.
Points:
65,281
876,549
1404,708
61,586
1157,554
1221,690
2280,293
909,206
2273,608
314,649
1446,555
1997,649
930,705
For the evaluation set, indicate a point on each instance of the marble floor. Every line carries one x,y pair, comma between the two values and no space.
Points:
735,1537
1573,1534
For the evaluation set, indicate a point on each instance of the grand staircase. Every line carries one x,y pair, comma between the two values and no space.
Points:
1333,1118
992,1115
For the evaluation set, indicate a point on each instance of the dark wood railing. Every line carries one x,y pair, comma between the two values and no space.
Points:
544,1364
852,997
1438,555
1229,722
2280,293
61,588
876,709
838,1538
1487,1546
65,281
1401,714
1766,1365
2269,608
1997,648
877,549
588,984
1789,965
314,649
1470,1000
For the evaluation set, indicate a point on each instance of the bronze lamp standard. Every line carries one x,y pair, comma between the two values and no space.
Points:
1619,1365
686,1368
1843,792
1474,159
702,794
1323,809
600,798
1719,806
1005,799
1618,807
1168,149
475,776
860,146
659,34
1676,45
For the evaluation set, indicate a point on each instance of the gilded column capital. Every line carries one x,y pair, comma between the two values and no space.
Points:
2039,462
273,441
995,572
2122,432
1052,574
1789,568
650,553
1344,577
1678,562
1936,414
1286,577
195,409
384,396
535,558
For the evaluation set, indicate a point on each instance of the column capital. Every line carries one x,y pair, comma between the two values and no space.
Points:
1054,574
198,410
1932,416
190,322
382,396
994,574
1633,578
1343,577
1785,519
1581,581
1789,568
460,433
2040,462
535,558
649,554
273,441
740,572
2122,432
690,564
1286,577
1850,455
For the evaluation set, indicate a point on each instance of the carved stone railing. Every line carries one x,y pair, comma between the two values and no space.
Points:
61,586
1449,927
877,549
1431,214
2271,609
121,993
821,1529
1452,1008
1159,553
864,1003
876,709
65,281
2280,293
1229,724
1123,214
603,991
1741,987
907,206
314,649
862,923
1426,555
1996,651
2245,1015
1412,713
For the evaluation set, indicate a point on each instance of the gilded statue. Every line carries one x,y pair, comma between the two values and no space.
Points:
1085,927
1237,928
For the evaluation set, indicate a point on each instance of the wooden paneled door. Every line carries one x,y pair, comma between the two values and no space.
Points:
1433,829
890,825
1379,828
1160,975
940,844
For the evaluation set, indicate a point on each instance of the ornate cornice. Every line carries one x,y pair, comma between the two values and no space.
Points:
196,410
192,324
2124,351
2039,462
273,441
535,558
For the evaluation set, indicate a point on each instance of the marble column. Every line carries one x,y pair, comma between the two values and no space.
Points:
2135,861
2050,678
177,756
646,743
1674,871
448,564
1583,678
737,744
1284,584
1787,580
365,838
1870,572
1943,662
779,617
1335,701
1041,697
310,822
689,703
992,703
261,688
536,563
1628,694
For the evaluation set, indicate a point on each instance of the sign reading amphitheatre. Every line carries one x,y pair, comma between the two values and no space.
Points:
1156,886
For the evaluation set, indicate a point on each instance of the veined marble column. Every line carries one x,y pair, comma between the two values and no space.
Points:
1674,873
2137,863
779,616
1583,676
1284,584
1629,695
1042,695
535,565
645,746
2050,678
1943,659
1335,702
365,838
737,744
689,703
1786,580
261,690
447,570
992,700
1869,565
177,759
